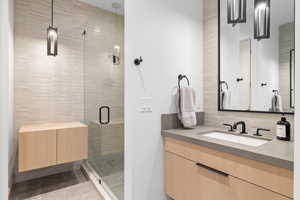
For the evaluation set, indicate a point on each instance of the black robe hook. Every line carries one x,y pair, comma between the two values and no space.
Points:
138,61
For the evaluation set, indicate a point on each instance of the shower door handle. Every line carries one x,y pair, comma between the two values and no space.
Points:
108,114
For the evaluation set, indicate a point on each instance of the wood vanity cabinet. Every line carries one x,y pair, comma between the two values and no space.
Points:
188,178
51,144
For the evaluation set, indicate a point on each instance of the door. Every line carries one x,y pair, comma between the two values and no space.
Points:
103,67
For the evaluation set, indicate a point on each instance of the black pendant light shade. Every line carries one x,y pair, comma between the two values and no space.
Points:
262,19
52,41
236,11
52,35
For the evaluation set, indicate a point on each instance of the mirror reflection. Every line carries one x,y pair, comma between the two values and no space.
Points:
257,63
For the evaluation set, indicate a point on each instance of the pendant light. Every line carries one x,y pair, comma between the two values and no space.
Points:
51,37
236,11
261,19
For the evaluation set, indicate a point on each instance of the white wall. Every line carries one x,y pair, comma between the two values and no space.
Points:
297,101
168,34
6,93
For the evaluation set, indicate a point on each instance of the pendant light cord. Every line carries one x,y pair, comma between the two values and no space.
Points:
52,13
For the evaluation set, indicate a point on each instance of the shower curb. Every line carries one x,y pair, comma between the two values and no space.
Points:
96,180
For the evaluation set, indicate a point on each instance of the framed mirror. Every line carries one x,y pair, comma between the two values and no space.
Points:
292,78
257,56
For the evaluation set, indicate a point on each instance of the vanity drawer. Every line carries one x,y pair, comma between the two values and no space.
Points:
188,180
270,177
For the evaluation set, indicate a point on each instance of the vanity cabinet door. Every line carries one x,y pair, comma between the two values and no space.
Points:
185,180
243,190
72,144
175,176
37,149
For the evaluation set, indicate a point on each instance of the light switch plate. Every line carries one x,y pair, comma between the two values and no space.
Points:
145,105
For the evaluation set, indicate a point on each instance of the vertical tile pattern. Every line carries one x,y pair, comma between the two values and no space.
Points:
212,115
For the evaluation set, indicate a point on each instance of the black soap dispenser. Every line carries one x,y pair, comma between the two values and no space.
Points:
283,129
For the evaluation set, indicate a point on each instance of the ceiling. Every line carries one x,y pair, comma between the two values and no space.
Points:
107,5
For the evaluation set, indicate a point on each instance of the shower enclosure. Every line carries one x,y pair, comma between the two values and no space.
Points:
103,89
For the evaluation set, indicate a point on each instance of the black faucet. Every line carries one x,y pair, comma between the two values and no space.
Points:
243,126
260,129
230,127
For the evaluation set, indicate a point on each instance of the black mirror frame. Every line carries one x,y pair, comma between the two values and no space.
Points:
219,75
292,76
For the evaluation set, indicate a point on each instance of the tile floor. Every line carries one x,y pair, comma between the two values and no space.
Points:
72,185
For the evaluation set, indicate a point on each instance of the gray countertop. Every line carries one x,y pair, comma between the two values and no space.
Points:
275,152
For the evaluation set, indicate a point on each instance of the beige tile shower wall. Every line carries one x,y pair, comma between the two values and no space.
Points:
103,80
105,139
51,89
212,116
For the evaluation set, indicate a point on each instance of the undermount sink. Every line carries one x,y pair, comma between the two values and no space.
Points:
236,138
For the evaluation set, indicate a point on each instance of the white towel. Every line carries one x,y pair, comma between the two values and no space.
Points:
276,105
279,103
186,107
225,99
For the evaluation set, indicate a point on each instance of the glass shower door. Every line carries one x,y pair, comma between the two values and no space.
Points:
103,80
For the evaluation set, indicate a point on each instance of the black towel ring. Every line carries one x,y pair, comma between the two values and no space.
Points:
276,92
180,77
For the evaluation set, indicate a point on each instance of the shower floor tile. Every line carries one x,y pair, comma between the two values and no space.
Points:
110,167
108,164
